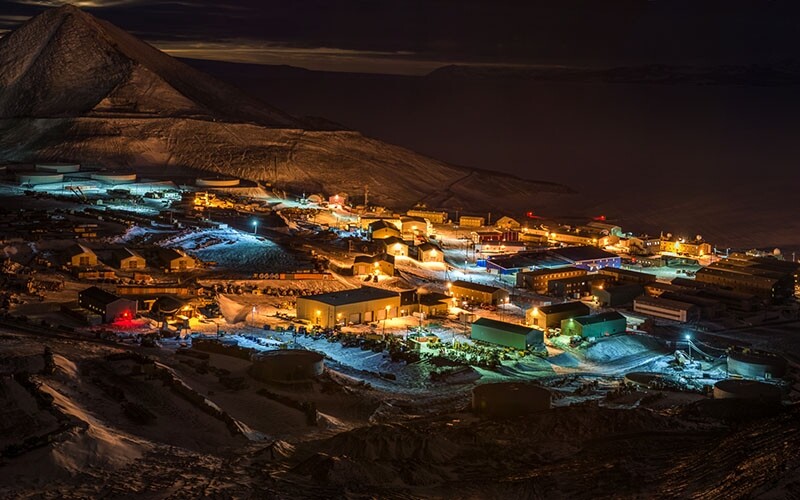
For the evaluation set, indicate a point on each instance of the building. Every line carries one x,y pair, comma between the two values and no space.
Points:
128,260
691,248
435,216
362,305
374,264
394,246
478,293
365,220
576,286
786,275
494,236
506,223
588,257
538,280
641,245
551,316
665,308
626,276
338,200
595,325
80,256
428,252
381,229
175,260
411,227
432,304
107,305
617,295
505,334
470,221
766,287
606,227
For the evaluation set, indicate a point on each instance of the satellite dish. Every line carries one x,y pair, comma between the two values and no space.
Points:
776,252
698,238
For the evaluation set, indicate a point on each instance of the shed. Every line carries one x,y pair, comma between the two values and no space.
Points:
374,264
595,325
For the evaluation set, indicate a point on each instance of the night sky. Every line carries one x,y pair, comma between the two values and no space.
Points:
417,36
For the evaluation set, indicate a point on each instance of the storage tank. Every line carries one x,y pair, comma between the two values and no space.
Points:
747,389
114,177
756,365
37,178
508,399
287,365
59,168
217,182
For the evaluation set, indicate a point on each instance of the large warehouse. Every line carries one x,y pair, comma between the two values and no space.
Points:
507,334
362,305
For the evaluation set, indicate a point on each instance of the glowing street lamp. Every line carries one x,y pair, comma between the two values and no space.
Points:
255,227
689,342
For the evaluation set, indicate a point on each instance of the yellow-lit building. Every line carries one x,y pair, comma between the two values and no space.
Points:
435,216
693,248
506,223
175,260
81,256
126,259
395,246
478,292
471,221
428,252
362,305
412,227
380,229
381,264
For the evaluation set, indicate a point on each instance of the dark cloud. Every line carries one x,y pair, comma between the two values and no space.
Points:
416,34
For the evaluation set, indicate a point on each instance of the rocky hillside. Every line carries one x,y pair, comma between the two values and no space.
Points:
76,88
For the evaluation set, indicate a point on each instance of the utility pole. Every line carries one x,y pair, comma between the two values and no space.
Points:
366,195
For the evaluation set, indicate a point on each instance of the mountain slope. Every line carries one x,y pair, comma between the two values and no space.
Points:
65,62
76,88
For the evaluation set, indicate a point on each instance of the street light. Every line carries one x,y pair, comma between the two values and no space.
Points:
255,227
689,342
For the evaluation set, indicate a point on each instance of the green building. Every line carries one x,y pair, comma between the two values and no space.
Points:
507,334
595,325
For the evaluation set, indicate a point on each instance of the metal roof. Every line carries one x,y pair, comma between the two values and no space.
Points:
363,294
502,325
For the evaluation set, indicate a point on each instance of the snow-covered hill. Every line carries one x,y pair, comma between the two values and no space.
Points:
73,87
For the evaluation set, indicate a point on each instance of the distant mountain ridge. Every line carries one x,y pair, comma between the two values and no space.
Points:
76,88
755,74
